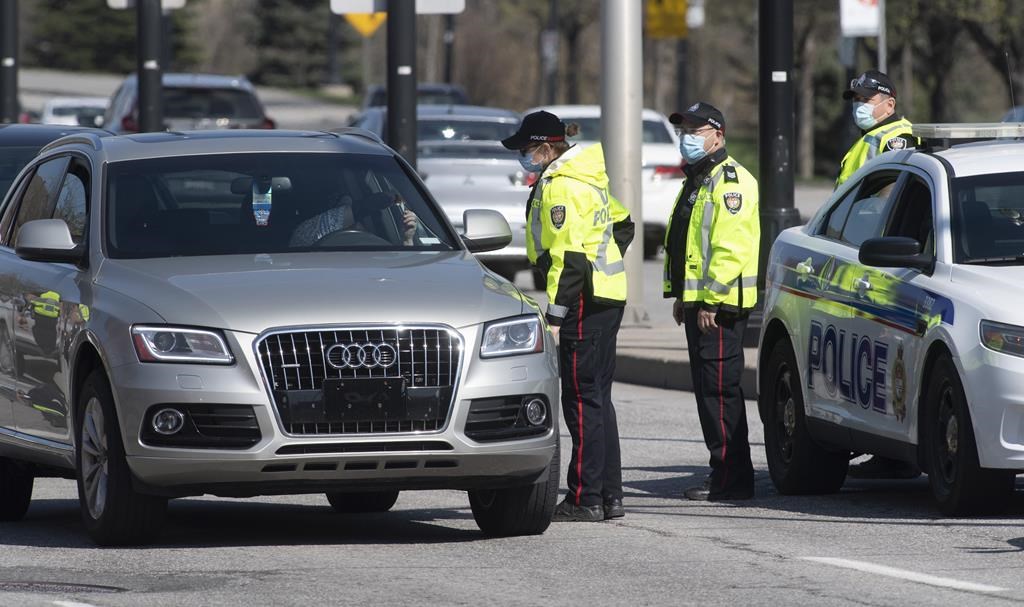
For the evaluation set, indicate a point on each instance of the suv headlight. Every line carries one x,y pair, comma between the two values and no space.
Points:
156,344
1007,339
521,335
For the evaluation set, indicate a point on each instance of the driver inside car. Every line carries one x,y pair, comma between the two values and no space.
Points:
347,216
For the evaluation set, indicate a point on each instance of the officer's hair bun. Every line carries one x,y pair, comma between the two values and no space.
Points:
572,129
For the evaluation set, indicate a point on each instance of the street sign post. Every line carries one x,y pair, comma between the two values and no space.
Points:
423,7
148,42
9,61
401,81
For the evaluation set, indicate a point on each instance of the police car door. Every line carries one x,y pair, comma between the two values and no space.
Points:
846,358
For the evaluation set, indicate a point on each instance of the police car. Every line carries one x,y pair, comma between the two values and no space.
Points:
894,322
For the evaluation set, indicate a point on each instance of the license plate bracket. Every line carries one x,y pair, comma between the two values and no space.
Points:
365,399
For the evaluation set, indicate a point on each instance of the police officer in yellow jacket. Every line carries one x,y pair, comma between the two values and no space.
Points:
577,234
874,111
711,249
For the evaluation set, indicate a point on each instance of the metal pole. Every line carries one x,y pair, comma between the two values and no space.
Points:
401,81
682,58
449,47
883,40
621,106
333,73
9,61
167,43
150,72
549,50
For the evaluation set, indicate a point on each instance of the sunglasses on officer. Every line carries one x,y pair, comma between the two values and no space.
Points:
867,82
697,130
529,149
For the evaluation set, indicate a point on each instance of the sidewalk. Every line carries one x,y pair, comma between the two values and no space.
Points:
657,357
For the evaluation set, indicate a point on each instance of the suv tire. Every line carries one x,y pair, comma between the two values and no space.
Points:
372,501
519,510
959,483
114,513
15,489
798,465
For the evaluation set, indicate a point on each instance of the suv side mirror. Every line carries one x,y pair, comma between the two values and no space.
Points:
486,230
895,252
48,240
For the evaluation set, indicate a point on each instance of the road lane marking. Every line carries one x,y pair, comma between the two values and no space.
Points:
72,604
903,574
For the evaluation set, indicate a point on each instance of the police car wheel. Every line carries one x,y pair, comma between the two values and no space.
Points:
16,481
798,465
518,510
959,483
371,501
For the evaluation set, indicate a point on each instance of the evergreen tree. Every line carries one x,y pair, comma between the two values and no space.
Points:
291,42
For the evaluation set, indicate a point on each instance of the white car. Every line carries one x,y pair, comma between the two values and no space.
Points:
894,325
74,111
661,175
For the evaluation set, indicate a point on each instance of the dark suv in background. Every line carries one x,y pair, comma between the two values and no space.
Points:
192,102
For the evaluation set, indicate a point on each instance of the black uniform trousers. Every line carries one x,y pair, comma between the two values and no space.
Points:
587,359
716,362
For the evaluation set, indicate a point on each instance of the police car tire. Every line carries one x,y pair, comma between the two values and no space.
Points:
16,481
798,465
370,501
129,518
519,510
959,484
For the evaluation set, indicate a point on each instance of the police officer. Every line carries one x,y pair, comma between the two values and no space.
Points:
711,249
577,236
874,111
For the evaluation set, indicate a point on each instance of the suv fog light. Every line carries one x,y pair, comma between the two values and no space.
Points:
168,421
536,412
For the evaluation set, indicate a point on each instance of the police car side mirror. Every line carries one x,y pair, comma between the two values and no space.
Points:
486,230
895,252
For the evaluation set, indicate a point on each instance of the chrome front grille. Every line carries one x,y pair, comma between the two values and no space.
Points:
424,362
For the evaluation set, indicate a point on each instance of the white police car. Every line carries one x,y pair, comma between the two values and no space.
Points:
894,322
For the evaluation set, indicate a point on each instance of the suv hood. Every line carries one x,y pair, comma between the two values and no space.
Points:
252,293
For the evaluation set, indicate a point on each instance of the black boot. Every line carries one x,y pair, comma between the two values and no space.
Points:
566,511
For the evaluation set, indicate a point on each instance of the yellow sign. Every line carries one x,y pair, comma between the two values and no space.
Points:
366,24
666,18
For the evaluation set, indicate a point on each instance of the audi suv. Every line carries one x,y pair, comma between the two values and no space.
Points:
244,313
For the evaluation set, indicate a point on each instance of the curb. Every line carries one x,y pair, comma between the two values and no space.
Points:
668,374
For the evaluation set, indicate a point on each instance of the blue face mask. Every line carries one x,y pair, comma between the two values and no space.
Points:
692,148
863,116
529,165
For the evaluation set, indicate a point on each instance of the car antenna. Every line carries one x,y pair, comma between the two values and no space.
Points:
1009,80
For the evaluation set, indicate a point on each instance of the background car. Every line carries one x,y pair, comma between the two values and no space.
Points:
893,327
190,102
253,315
427,93
462,161
661,174
74,111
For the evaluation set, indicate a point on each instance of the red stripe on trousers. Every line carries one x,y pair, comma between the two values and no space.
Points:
579,405
721,405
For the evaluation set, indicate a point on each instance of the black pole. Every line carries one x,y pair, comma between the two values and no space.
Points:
682,58
401,79
9,61
449,46
150,72
167,41
775,141
549,49
333,65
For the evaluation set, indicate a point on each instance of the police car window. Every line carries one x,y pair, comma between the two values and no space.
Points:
41,194
868,213
72,202
988,219
833,228
912,214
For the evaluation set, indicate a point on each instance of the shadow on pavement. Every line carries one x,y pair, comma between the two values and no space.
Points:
198,522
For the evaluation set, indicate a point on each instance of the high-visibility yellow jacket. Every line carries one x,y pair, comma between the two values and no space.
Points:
891,134
577,233
47,304
723,240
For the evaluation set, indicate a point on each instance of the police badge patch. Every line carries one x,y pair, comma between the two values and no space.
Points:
558,216
896,143
733,201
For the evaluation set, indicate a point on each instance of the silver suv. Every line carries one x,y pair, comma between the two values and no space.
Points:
262,312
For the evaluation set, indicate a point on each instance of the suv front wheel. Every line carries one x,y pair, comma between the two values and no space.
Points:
15,489
113,512
519,510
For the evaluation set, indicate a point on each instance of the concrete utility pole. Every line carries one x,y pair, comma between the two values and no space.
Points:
449,47
621,106
149,27
9,61
401,81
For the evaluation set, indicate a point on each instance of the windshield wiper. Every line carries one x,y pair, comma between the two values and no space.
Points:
984,260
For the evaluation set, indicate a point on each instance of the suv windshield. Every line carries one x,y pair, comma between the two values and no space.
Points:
198,102
267,203
988,218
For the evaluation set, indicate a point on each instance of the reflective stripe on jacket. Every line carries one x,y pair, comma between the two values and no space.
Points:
890,135
577,233
722,241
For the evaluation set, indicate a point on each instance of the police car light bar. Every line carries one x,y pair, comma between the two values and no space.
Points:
969,130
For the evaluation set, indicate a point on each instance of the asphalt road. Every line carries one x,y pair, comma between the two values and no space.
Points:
880,536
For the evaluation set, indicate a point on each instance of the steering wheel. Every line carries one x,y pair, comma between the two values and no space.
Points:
350,238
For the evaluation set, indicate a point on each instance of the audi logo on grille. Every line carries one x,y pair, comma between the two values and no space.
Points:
362,356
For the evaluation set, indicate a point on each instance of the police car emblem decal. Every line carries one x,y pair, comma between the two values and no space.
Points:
558,216
899,385
896,143
733,201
